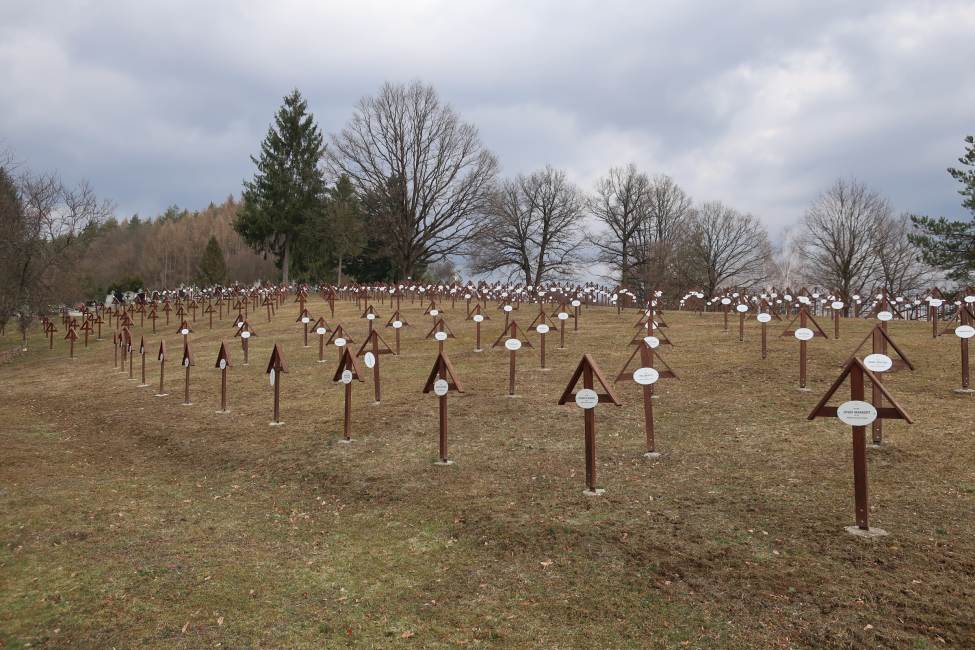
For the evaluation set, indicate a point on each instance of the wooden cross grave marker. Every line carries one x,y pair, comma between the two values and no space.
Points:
223,364
71,336
513,344
276,367
397,322
321,329
161,357
646,376
377,347
441,380
186,362
142,356
304,318
348,369
803,334
245,332
858,414
587,399
476,314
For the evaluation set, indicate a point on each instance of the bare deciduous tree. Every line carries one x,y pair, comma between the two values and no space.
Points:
839,239
533,228
727,246
900,270
661,232
442,173
621,203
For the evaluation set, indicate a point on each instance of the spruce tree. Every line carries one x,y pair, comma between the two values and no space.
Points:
288,190
213,268
950,245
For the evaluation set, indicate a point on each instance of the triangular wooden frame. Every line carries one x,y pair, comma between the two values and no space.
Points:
276,362
224,354
894,411
609,396
900,353
513,328
442,324
347,362
445,370
381,348
818,331
626,373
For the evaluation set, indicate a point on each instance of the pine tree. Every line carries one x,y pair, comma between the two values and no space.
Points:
950,245
213,268
288,190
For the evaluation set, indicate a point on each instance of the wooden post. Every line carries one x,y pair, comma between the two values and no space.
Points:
441,380
859,455
587,399
162,369
276,366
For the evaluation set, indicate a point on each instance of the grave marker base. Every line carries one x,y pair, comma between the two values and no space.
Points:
870,533
594,493
345,441
443,463
162,394
964,391
223,412
275,424
653,455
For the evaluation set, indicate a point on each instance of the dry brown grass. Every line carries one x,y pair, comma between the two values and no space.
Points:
131,520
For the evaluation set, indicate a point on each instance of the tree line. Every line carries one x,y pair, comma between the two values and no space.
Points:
407,188
407,184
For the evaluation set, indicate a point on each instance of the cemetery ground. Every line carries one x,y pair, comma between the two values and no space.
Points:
132,520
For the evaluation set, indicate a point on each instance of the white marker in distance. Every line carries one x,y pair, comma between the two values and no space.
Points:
563,315
369,359
513,344
651,341
764,318
646,376
885,316
321,331
478,318
542,329
346,377
440,336
340,342
397,324
742,309
270,376
856,413
587,398
965,331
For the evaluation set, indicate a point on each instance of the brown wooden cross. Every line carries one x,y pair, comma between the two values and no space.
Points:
587,398
441,380
646,376
510,339
347,371
187,362
276,366
476,314
161,356
223,364
804,334
377,347
858,413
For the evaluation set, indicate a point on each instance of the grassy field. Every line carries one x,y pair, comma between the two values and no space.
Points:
129,520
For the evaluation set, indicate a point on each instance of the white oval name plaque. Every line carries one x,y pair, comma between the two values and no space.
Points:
646,376
651,341
340,342
369,359
440,387
478,318
764,318
878,362
587,398
885,316
346,376
965,331
542,329
440,336
513,344
856,413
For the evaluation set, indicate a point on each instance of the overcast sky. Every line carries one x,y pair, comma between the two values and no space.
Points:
760,106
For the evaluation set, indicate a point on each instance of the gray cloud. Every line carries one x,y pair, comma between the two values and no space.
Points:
761,106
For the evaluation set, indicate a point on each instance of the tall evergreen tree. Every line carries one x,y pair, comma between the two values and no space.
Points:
950,245
213,268
288,190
